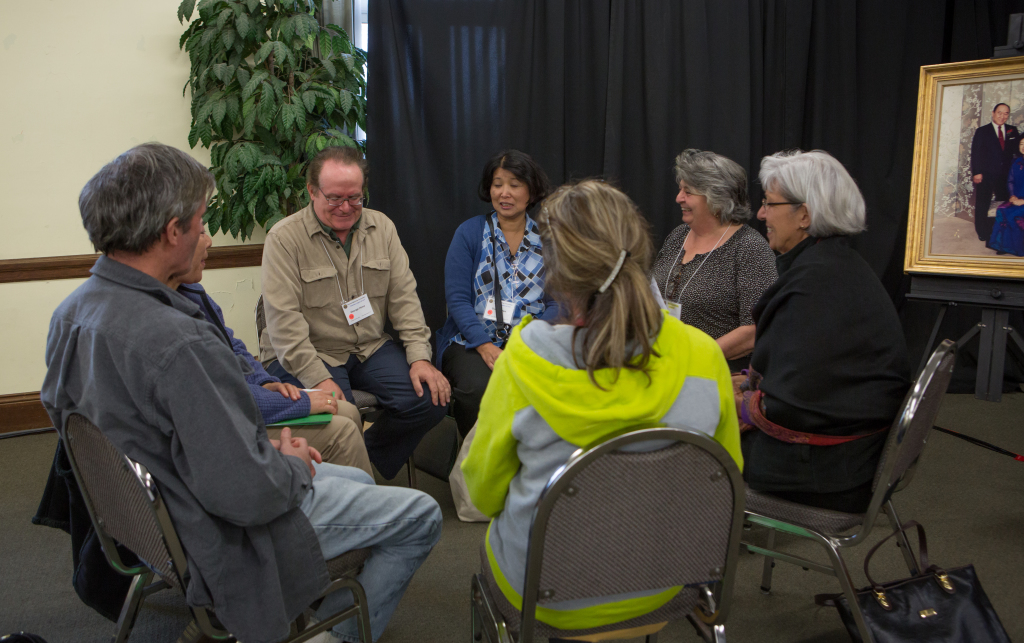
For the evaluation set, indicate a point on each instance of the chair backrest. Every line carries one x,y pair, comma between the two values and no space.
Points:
909,432
261,319
123,503
615,519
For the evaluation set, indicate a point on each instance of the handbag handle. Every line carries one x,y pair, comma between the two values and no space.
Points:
922,546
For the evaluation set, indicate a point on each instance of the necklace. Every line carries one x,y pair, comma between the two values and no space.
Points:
701,265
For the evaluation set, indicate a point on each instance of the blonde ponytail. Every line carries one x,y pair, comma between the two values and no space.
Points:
586,228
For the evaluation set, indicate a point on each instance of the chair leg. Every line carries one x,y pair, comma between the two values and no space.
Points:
843,575
903,543
363,619
132,605
720,634
412,473
769,563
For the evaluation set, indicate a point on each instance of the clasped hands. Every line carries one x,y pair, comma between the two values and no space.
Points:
297,447
319,401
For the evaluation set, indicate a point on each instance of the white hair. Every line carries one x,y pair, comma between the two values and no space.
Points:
821,183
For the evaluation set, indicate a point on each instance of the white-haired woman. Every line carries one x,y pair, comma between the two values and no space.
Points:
617,362
830,368
713,268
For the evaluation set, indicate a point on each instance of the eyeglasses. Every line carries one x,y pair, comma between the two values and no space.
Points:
354,200
766,204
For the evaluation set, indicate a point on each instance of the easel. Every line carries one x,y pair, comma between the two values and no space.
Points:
996,297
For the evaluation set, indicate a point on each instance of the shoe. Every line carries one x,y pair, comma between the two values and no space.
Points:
325,637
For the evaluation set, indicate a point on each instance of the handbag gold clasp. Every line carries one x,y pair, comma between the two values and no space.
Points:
882,600
928,612
943,581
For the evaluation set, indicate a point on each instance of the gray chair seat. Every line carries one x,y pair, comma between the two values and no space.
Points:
826,521
348,564
364,400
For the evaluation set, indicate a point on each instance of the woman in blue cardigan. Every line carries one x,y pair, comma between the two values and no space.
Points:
501,247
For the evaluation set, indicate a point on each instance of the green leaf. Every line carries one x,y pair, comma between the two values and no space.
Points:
329,67
185,10
223,18
243,25
205,133
326,45
309,100
243,76
346,101
218,71
252,5
220,109
193,135
267,109
228,38
236,223
283,53
233,109
349,62
254,83
287,117
274,220
265,50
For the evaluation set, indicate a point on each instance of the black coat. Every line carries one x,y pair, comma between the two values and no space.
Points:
988,159
831,350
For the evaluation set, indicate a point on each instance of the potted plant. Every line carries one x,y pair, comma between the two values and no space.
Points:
270,88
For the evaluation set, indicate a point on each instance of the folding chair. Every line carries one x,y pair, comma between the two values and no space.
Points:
903,448
125,505
369,407
616,520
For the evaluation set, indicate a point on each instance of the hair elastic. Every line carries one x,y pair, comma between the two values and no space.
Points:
615,272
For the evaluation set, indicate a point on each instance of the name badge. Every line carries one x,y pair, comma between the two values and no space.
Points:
508,311
673,308
358,309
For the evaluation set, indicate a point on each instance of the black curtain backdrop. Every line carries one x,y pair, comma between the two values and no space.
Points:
617,88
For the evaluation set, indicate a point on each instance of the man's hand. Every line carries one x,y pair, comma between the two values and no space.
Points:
330,386
322,402
490,353
423,371
298,448
976,178
289,391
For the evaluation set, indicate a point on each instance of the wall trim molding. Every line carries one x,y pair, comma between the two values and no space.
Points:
77,266
22,412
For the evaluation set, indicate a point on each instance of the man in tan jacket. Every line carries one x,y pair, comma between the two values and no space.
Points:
333,274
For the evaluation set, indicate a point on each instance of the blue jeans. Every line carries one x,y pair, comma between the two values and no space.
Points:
406,417
400,526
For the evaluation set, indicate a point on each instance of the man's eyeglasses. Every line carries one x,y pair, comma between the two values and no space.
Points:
354,200
766,204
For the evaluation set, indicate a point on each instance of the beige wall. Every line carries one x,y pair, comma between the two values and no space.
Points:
83,83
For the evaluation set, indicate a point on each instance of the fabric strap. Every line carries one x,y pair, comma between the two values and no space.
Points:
752,407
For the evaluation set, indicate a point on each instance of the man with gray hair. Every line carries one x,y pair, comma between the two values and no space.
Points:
257,517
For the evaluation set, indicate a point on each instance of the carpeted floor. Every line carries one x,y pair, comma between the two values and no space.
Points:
970,500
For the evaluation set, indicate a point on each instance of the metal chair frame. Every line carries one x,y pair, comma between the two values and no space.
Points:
485,617
935,372
368,410
159,520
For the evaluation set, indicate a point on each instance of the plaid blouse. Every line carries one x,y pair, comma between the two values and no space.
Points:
522,278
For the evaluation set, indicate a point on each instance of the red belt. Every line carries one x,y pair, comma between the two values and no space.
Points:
796,437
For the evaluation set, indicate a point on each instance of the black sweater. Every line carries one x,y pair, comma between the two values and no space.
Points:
831,350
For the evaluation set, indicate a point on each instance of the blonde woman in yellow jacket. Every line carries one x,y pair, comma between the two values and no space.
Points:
618,362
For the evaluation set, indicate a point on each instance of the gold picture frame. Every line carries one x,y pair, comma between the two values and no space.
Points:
955,101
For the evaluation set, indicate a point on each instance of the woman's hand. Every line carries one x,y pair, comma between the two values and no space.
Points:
490,353
287,390
1015,201
322,402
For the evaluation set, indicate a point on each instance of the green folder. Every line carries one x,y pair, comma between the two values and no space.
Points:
319,418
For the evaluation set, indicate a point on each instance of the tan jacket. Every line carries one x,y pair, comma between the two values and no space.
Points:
303,304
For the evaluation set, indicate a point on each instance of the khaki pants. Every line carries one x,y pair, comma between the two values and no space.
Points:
340,441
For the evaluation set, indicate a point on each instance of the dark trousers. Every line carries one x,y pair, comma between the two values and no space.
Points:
468,374
983,193
406,418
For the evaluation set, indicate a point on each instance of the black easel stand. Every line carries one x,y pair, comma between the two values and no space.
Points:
996,297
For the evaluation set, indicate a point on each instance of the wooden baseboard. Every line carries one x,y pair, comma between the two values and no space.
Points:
77,266
21,412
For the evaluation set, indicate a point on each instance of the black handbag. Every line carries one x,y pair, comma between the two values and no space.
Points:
937,605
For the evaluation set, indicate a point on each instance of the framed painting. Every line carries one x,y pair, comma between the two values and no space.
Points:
967,192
